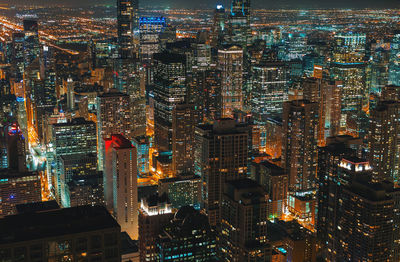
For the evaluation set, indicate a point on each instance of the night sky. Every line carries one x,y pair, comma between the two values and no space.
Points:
256,3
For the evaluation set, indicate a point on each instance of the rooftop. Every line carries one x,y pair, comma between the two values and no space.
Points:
53,223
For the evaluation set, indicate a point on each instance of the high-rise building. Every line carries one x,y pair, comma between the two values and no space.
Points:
77,233
120,182
113,117
127,17
269,88
230,62
18,188
142,145
187,237
383,141
184,120
221,154
77,137
18,55
394,66
299,145
150,29
329,159
218,28
169,90
31,41
366,221
239,23
205,93
183,190
243,229
154,213
274,180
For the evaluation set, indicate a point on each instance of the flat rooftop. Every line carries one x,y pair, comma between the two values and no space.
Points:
54,223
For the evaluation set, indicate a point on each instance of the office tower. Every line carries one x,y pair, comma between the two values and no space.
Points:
183,190
70,94
184,120
150,29
18,188
365,225
142,145
230,62
205,93
16,148
127,18
77,137
82,184
87,190
378,76
221,153
269,88
394,67
77,233
274,180
299,145
243,228
383,141
291,242
154,213
113,117
18,55
239,23
347,65
31,41
327,95
218,27
169,90
120,182
329,159
187,237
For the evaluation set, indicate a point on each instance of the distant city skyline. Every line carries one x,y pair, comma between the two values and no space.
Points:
209,3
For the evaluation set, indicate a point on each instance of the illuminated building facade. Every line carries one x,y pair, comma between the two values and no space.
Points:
18,188
383,141
142,144
120,182
187,237
184,190
150,29
77,137
169,90
184,120
113,117
274,180
243,229
269,88
299,144
127,19
31,41
154,213
218,28
394,61
230,62
221,154
18,55
239,23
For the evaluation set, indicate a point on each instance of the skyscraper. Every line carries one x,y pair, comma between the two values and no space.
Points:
187,237
127,17
299,145
220,155
219,24
184,120
150,29
169,90
120,182
243,229
239,23
230,62
31,41
113,117
383,141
